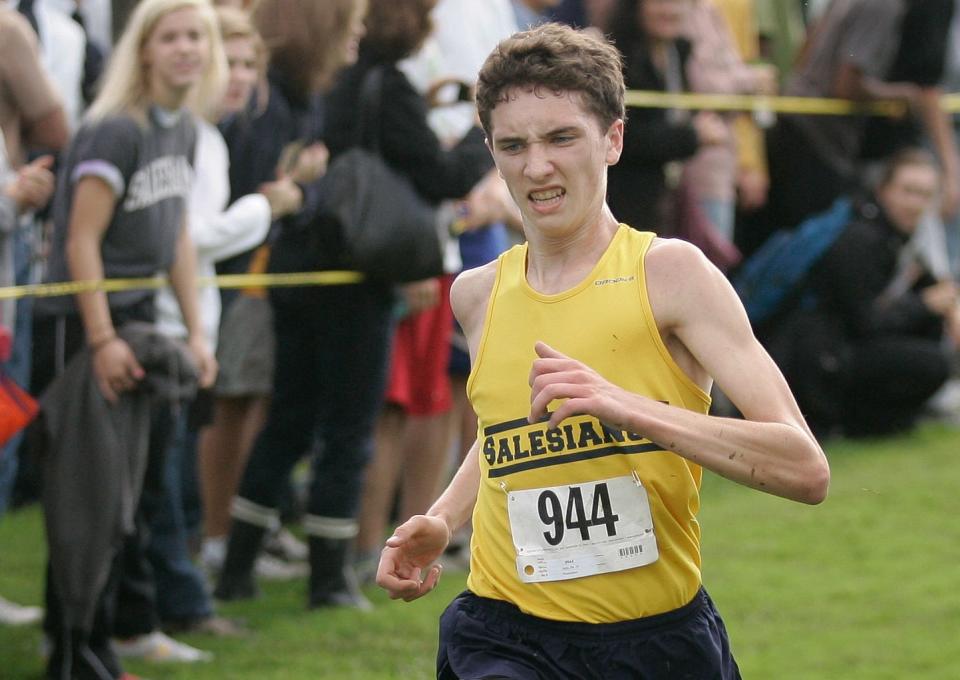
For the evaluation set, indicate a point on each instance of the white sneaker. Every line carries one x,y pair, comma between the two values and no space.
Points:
12,614
212,553
944,405
286,546
159,648
269,568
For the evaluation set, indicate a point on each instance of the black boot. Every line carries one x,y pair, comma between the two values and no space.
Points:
333,583
236,580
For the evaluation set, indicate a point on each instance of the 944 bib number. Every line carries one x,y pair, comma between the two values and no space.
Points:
565,532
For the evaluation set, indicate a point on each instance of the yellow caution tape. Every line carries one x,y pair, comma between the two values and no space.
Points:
950,103
325,278
634,98
745,102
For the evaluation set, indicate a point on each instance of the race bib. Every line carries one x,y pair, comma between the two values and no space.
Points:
565,532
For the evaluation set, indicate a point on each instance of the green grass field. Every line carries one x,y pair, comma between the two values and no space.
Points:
863,587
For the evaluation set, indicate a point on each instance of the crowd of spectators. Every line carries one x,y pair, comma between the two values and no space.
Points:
194,138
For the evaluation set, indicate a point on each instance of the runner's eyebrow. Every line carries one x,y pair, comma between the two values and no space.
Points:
567,130
520,139
510,140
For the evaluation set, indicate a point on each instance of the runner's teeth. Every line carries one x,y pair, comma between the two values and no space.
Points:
546,195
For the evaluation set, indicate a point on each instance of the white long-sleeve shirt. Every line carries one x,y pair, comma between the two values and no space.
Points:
218,232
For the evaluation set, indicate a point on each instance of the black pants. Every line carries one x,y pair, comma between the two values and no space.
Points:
484,638
329,379
872,387
888,381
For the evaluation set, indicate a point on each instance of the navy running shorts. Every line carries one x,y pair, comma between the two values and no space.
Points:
484,638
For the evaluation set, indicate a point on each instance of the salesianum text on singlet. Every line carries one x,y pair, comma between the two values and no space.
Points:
605,322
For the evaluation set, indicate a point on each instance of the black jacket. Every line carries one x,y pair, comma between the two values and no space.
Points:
636,185
846,303
850,281
406,140
256,139
830,339
94,459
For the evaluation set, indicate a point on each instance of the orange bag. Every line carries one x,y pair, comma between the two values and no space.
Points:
17,408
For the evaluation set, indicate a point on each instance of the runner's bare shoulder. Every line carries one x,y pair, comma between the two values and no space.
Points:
469,297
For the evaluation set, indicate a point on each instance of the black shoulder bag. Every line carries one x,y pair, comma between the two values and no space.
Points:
388,230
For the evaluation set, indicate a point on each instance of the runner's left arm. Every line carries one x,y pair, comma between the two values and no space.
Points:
771,449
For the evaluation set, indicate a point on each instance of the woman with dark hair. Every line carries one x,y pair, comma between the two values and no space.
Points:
326,376
333,341
412,432
395,29
649,35
285,113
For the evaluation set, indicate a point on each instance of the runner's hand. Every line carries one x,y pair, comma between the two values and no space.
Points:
415,545
579,388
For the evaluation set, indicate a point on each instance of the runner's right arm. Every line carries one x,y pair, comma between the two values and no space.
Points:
420,541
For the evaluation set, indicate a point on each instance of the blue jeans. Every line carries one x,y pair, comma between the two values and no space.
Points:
181,589
18,367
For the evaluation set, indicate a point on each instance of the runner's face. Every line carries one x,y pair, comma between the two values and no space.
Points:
175,55
242,60
553,154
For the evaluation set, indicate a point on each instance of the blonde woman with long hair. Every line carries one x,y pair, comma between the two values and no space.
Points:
131,83
119,212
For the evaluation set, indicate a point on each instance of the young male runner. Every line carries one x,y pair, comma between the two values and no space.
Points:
594,348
